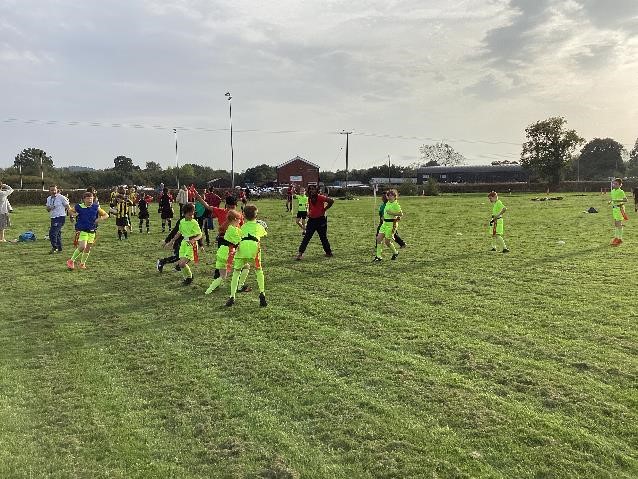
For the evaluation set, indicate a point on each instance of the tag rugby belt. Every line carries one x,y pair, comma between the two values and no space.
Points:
225,242
250,238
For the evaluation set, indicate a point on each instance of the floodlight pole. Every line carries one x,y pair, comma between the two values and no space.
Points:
347,133
232,152
176,158
389,180
42,171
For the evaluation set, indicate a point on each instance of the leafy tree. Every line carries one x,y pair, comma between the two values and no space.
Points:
632,165
260,174
123,164
153,166
548,148
442,154
432,163
599,159
29,159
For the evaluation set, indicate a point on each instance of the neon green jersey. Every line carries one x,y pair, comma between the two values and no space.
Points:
391,207
497,207
302,202
189,228
248,248
617,195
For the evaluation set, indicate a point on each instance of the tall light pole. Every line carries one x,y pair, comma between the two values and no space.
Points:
176,157
232,152
347,133
389,180
42,170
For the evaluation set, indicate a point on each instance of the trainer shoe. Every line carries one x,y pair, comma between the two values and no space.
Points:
159,265
245,289
614,242
298,257
70,264
493,248
82,265
505,250
187,281
395,256
53,251
403,246
262,300
230,301
377,259
177,269
329,255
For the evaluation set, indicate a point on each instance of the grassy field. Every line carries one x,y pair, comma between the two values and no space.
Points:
449,362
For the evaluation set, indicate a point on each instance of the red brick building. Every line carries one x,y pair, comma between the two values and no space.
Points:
298,171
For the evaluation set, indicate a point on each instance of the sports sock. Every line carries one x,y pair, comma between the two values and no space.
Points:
169,225
260,279
379,250
119,234
216,283
216,274
233,283
147,227
242,277
85,256
500,242
393,248
620,231
75,254
186,271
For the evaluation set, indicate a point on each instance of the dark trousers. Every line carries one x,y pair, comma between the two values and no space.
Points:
171,259
320,225
55,232
203,225
397,238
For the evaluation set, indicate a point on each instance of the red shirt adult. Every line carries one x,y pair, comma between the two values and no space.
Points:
212,199
222,214
318,208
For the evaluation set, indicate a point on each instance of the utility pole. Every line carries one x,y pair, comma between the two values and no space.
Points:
176,157
389,180
347,133
42,170
232,152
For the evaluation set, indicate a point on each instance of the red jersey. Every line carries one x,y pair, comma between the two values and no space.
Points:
212,199
318,208
222,214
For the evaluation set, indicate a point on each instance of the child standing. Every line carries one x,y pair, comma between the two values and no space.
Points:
89,214
122,220
248,251
226,252
384,201
496,223
618,200
191,233
142,204
391,215
166,208
302,209
132,195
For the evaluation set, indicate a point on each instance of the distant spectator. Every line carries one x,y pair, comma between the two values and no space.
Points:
5,191
182,198
58,206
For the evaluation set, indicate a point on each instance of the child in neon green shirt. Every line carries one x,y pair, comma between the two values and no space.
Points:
496,223
391,215
248,251
188,229
618,200
302,209
226,251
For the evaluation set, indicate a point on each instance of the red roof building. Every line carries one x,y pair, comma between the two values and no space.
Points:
298,171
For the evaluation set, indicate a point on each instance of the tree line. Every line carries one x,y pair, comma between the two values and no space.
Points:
550,154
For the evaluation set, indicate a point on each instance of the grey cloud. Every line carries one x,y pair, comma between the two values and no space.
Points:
616,14
595,56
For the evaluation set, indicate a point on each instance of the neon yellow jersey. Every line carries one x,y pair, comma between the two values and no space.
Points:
617,196
391,206
497,207
248,248
189,228
233,234
302,202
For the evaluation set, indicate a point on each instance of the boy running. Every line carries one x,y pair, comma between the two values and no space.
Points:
89,214
496,223
302,209
226,252
391,215
248,251
384,201
190,231
618,200
122,207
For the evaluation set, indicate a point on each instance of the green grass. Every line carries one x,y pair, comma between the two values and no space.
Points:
450,362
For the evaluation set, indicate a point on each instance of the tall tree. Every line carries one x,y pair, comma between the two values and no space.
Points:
599,159
549,148
441,153
153,166
260,174
29,159
123,164
632,165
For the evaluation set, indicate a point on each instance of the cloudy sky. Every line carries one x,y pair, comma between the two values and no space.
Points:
398,74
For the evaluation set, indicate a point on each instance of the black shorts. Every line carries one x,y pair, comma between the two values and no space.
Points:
122,221
143,215
302,214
